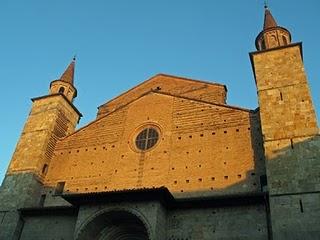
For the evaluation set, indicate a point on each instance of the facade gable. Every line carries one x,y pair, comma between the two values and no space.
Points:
170,160
178,86
197,150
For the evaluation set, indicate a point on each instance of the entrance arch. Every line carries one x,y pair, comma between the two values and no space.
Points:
114,225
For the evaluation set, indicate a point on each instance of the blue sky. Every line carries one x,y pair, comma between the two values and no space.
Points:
120,43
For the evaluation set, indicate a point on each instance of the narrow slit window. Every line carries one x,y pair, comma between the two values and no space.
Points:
301,205
291,143
42,200
45,169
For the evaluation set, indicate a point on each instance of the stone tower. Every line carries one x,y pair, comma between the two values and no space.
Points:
52,116
290,132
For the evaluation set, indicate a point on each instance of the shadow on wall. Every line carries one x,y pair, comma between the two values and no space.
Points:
293,170
287,166
114,225
293,165
254,180
235,182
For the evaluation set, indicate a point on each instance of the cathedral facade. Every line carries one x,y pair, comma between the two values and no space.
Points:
170,160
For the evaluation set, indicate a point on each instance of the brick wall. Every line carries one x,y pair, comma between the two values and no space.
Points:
203,148
210,92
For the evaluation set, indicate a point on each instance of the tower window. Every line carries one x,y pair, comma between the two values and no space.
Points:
301,205
263,44
61,90
45,169
42,200
284,39
147,138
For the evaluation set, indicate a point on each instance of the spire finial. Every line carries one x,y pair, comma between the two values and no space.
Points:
266,4
74,58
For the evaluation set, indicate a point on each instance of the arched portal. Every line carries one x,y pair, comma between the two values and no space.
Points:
114,225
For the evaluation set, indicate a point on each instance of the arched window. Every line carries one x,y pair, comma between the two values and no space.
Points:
284,39
263,44
273,41
61,90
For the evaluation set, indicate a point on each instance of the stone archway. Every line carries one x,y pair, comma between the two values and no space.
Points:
114,225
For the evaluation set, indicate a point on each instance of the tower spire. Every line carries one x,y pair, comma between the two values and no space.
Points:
272,35
269,21
65,84
68,75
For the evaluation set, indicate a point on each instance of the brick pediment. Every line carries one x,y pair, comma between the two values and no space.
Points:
178,86
150,107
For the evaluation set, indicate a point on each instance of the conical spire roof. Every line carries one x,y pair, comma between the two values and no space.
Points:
269,21
68,74
272,35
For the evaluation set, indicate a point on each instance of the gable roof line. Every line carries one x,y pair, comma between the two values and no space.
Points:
164,75
190,79
203,101
156,92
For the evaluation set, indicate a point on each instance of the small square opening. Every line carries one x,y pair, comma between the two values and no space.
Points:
59,188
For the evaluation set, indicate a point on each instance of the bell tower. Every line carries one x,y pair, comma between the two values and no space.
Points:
52,116
290,133
272,35
64,85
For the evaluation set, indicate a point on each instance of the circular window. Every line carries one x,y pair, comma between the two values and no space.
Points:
147,138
